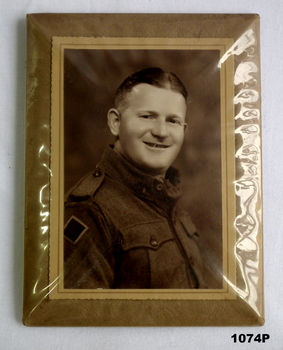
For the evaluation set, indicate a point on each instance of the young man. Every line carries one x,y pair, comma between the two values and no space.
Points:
123,228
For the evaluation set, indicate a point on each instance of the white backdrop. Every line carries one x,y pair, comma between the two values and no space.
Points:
15,336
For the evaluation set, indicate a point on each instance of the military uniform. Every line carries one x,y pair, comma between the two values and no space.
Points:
123,230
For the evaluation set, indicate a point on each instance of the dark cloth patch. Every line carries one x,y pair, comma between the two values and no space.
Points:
75,229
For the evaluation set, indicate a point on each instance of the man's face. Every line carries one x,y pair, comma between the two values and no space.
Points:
151,127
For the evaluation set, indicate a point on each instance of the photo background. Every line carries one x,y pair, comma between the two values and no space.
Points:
90,81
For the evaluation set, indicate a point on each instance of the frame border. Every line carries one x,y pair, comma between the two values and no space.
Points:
39,309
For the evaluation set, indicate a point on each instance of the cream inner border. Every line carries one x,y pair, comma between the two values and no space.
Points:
56,263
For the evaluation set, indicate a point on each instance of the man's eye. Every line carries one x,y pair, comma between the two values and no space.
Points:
146,116
175,121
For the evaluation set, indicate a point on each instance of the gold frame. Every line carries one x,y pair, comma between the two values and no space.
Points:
46,302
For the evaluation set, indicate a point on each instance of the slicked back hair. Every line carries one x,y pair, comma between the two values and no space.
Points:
153,76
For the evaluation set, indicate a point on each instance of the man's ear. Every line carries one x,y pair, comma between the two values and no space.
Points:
113,117
185,127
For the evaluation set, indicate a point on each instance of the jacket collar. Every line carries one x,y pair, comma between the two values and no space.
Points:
164,192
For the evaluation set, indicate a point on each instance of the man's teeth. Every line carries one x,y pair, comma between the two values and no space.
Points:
155,145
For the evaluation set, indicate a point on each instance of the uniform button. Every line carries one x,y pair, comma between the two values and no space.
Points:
154,243
96,173
144,190
159,187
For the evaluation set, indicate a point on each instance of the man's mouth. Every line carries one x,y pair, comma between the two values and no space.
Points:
156,145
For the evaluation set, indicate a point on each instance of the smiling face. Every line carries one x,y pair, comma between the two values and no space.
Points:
149,126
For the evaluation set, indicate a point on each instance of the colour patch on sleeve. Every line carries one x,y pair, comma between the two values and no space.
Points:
74,229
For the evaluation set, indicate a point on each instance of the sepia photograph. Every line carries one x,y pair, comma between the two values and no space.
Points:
142,168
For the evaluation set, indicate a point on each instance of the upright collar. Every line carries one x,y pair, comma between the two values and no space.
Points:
163,192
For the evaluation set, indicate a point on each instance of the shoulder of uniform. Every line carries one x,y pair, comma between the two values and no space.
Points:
188,224
86,187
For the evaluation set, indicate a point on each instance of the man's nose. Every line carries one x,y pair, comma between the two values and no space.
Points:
160,128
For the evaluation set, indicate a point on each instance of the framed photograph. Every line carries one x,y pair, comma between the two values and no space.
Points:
143,187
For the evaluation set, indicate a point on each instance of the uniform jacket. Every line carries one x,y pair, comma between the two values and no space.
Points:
123,230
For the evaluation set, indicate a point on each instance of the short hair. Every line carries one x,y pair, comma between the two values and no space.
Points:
153,76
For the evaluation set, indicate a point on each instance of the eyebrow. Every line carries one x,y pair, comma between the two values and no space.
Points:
154,113
147,112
